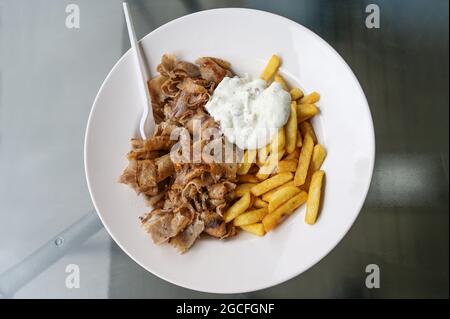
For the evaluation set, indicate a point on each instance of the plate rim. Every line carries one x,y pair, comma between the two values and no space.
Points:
372,154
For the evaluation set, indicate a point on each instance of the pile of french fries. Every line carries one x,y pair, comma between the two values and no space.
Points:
277,179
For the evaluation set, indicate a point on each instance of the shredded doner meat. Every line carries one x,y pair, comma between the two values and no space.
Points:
187,199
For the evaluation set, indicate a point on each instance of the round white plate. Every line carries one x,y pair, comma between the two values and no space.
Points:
247,39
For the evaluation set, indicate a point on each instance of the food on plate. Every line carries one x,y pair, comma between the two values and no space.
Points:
250,217
266,196
282,195
318,156
315,192
304,160
291,129
248,111
238,207
306,111
259,203
296,93
310,98
256,229
271,220
306,128
227,153
241,189
271,68
248,159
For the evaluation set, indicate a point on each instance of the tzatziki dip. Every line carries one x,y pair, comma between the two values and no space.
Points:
248,111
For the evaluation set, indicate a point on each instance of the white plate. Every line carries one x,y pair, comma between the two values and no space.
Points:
246,38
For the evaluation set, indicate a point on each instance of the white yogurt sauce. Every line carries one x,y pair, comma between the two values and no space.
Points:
248,112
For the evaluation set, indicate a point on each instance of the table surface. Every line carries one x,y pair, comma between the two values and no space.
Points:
49,76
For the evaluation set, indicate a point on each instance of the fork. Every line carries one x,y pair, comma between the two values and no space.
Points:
147,122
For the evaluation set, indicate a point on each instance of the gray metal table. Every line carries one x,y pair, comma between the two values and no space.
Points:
49,75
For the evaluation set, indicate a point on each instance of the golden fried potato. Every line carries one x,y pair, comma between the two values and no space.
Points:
303,161
296,94
259,203
299,139
266,196
237,208
248,159
271,220
241,189
256,229
282,195
291,129
271,68
270,166
286,165
311,98
250,217
247,178
294,155
306,128
318,156
262,155
306,111
271,183
278,141
313,203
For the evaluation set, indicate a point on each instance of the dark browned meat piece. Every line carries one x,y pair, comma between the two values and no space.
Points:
162,225
212,69
186,239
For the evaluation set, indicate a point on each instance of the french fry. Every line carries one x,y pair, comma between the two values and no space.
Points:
318,156
270,166
282,195
266,196
237,208
315,193
271,183
278,142
306,111
262,176
278,78
271,220
259,203
256,229
250,217
263,154
241,189
299,139
252,200
303,161
306,128
271,68
311,98
294,155
287,165
273,158
248,159
296,94
247,178
291,129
